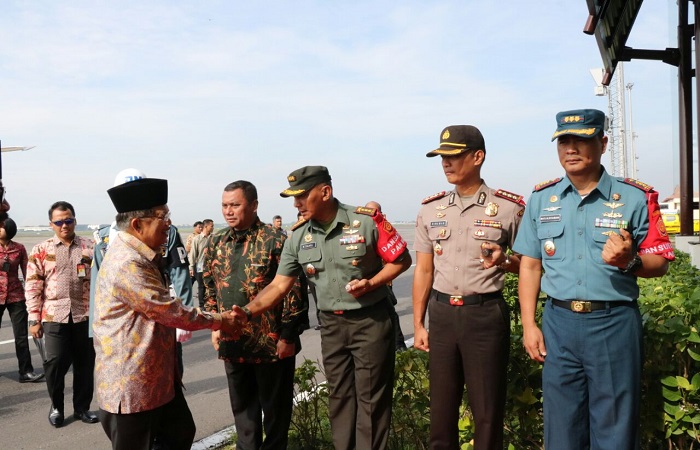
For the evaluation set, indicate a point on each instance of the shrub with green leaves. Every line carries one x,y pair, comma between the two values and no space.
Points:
670,403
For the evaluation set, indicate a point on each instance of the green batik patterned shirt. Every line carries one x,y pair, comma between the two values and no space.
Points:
237,266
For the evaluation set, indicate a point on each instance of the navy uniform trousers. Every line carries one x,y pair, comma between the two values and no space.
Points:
594,361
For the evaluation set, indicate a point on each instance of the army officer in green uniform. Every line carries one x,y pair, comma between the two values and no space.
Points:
349,254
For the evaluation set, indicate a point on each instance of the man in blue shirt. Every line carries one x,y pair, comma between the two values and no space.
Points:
592,235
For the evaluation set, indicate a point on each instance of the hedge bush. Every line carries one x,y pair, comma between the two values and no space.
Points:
670,415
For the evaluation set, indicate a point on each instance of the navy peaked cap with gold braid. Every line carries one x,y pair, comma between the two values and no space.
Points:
457,139
585,123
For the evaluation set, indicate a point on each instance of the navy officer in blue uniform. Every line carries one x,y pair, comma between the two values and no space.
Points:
592,235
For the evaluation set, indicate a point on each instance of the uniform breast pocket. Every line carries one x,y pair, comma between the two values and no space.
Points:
438,234
440,239
311,260
260,269
596,251
479,235
551,236
352,256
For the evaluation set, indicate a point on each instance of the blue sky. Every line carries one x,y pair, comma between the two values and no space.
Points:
205,93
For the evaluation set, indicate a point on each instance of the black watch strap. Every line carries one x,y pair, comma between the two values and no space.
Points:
633,265
247,312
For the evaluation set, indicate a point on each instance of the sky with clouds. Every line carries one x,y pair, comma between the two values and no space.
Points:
205,93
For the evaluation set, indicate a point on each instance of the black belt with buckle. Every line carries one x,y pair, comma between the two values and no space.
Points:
586,306
462,300
357,312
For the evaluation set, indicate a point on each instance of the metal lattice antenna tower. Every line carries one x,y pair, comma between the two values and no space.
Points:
616,124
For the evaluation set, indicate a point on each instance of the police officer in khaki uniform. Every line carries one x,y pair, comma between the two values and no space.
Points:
349,254
461,243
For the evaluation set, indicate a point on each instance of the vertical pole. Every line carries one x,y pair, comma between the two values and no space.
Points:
685,119
633,153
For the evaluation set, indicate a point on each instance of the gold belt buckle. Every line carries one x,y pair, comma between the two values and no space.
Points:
456,300
579,306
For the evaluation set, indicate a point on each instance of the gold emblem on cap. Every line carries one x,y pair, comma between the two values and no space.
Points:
553,198
308,238
616,196
491,209
446,134
291,178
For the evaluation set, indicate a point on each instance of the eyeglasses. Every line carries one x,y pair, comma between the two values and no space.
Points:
60,223
164,218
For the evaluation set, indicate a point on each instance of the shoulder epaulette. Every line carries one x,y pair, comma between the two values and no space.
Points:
544,184
638,184
366,211
515,198
434,197
298,224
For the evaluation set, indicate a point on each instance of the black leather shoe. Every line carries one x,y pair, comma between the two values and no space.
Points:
55,417
86,416
30,377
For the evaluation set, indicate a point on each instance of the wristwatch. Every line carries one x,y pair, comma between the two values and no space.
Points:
247,312
634,265
31,323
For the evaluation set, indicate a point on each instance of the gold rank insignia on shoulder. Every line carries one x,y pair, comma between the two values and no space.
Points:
638,184
298,224
515,198
544,184
366,211
434,197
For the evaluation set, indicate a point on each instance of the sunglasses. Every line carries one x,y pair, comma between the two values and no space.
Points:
60,223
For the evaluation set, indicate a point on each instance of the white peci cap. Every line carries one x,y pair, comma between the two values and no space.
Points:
128,175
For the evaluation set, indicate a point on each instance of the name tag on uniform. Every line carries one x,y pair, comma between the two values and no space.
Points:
308,246
550,218
441,223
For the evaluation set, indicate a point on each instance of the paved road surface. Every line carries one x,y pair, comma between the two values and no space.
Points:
24,407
